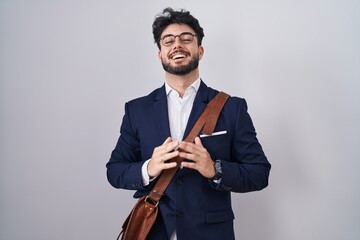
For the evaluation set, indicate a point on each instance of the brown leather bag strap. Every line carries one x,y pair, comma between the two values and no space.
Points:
207,120
214,113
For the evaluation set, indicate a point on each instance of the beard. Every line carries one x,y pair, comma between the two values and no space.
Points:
181,70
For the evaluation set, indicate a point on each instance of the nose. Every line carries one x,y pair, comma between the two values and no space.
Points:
177,42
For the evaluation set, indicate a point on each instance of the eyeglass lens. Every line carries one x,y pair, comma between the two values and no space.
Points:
185,38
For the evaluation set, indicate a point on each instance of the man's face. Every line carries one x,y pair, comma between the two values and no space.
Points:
180,58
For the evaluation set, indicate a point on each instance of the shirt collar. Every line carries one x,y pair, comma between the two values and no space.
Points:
195,85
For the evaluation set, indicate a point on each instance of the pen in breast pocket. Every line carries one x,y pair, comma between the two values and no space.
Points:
214,134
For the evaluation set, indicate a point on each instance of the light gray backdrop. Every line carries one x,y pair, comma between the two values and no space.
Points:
67,68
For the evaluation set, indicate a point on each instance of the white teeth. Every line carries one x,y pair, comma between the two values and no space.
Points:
179,56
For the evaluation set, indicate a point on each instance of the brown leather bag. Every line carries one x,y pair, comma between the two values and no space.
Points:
143,215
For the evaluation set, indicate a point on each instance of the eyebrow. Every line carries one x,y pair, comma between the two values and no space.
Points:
176,34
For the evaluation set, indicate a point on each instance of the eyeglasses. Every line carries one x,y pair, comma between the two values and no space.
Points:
185,38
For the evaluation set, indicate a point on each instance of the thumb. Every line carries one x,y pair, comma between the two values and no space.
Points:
167,140
198,141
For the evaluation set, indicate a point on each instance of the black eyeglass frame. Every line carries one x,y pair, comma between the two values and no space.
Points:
174,36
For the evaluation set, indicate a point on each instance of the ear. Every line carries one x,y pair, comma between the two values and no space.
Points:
201,52
159,55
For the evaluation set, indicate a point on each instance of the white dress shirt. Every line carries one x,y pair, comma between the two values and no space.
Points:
179,109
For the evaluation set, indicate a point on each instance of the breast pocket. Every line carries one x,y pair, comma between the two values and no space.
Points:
217,145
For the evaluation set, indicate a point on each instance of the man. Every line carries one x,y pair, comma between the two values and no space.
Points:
197,202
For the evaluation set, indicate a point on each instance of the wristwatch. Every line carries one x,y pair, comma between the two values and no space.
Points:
218,170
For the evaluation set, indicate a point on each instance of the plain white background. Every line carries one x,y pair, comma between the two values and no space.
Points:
68,67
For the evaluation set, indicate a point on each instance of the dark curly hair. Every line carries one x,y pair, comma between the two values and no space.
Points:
170,16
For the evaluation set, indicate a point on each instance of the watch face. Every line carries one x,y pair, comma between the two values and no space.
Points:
218,167
218,170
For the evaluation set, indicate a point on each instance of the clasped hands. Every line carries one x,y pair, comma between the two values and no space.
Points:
199,157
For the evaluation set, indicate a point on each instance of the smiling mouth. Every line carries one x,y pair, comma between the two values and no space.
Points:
178,55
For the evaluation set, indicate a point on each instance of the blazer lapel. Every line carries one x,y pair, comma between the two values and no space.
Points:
200,102
161,113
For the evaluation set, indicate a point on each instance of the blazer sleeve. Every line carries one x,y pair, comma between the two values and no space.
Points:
248,169
124,166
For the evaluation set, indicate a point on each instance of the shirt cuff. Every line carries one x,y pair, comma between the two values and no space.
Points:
144,174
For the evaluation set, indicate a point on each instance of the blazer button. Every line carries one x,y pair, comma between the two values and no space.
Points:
179,214
179,182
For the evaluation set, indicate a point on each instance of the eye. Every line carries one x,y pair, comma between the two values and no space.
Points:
168,40
187,38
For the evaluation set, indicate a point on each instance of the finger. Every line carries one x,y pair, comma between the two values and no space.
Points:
172,145
202,150
165,148
188,156
191,165
169,165
169,156
159,149
168,140
165,143
187,147
169,147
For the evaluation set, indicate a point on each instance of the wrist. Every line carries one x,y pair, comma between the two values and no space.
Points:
150,173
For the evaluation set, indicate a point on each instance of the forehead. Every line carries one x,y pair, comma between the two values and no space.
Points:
176,28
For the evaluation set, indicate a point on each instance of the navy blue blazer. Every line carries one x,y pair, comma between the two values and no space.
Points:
197,207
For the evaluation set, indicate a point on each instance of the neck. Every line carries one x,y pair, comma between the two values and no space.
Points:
181,83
